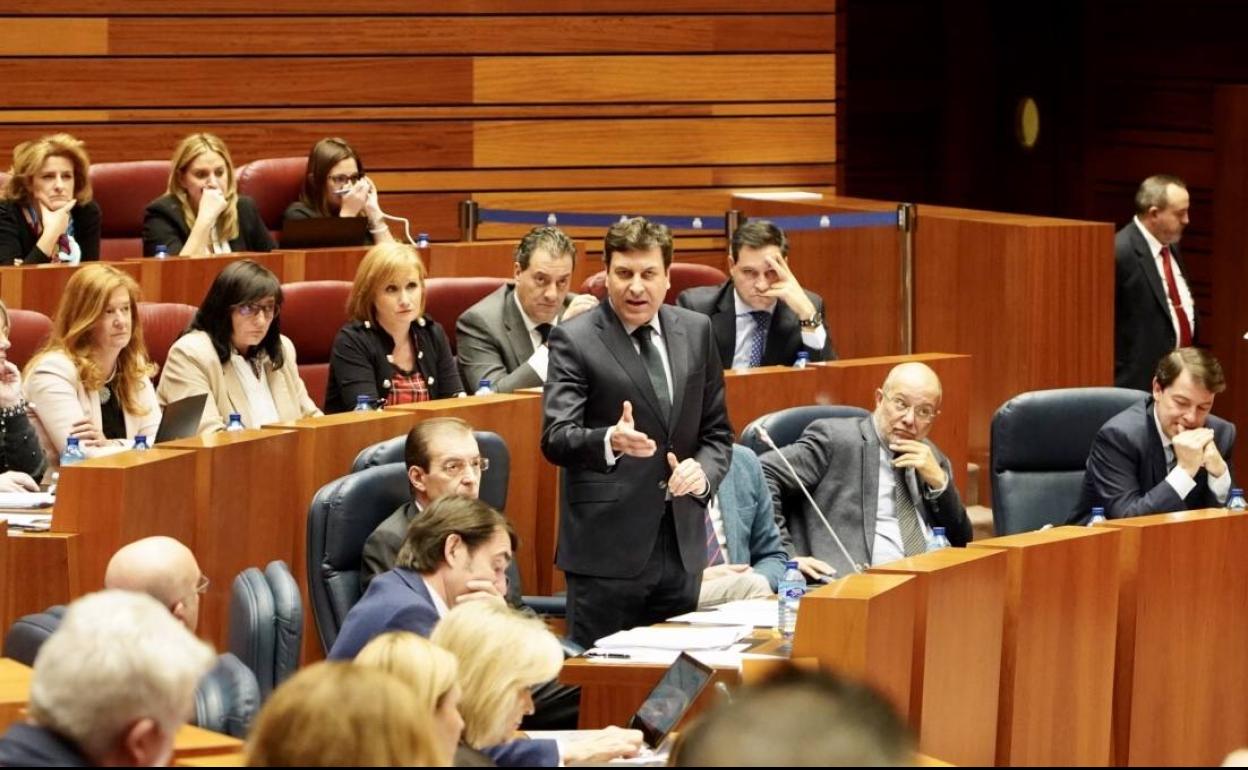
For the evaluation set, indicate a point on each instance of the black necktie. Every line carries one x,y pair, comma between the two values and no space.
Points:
544,331
654,368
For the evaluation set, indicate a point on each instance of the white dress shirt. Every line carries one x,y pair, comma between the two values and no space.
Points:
1178,479
540,359
813,339
1185,295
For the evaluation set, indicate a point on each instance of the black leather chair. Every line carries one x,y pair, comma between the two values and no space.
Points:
28,633
343,514
228,698
493,482
266,623
1039,450
785,425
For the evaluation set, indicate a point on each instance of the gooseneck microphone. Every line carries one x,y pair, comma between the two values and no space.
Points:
766,437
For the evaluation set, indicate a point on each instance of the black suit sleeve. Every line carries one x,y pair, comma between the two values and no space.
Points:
160,228
448,382
87,230
565,440
14,236
251,227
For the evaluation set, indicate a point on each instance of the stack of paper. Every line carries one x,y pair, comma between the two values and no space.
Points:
758,613
675,638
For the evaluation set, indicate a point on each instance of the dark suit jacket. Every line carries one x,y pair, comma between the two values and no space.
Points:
382,548
1143,331
494,344
359,363
748,516
614,512
524,753
18,241
1126,472
27,745
395,601
784,337
163,224
838,459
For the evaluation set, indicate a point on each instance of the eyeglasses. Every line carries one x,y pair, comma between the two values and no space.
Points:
342,180
457,467
922,412
249,309
201,585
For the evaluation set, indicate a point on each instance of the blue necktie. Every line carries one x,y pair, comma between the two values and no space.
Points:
759,339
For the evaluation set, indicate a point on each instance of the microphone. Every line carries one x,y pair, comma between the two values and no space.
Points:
766,437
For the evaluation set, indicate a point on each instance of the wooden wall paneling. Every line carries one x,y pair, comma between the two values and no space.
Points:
421,7
1230,243
675,141
40,287
187,280
44,569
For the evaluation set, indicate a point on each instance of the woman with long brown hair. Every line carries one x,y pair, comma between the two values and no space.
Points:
92,380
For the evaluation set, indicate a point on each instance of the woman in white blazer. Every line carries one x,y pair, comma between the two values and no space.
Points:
92,380
235,352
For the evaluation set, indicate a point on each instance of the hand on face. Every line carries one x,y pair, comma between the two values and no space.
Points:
1190,447
787,289
917,455
211,205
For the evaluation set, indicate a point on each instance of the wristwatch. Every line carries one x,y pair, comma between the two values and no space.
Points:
814,323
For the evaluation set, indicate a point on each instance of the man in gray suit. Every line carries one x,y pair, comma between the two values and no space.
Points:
880,482
502,338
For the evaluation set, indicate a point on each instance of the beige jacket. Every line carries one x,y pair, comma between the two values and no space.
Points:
192,367
59,399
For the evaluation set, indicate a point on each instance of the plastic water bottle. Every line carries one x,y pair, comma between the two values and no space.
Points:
937,539
1236,501
789,593
422,240
162,251
803,358
1098,515
363,403
235,423
73,453
484,388
140,444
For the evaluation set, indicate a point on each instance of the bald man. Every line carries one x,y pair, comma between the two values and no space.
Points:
163,568
880,482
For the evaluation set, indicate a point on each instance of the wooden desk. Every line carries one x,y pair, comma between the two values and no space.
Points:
119,498
40,287
1057,660
480,258
186,279
246,512
44,569
321,264
192,741
1181,674
959,611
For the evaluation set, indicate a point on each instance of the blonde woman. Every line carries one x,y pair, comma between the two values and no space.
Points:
502,655
236,353
343,715
390,350
46,211
92,380
203,213
432,674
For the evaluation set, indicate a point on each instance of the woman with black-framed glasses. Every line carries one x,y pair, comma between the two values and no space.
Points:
235,352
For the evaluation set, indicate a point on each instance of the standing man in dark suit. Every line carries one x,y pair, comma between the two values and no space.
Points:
502,338
1166,453
634,413
763,316
1153,308
882,484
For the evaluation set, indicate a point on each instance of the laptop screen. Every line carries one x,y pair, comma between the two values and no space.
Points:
671,698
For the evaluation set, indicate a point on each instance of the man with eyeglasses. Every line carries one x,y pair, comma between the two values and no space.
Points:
164,569
879,481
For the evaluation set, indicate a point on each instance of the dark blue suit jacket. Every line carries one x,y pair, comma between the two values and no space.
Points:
1126,471
525,753
395,601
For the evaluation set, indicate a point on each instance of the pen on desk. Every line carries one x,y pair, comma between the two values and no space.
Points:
618,655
